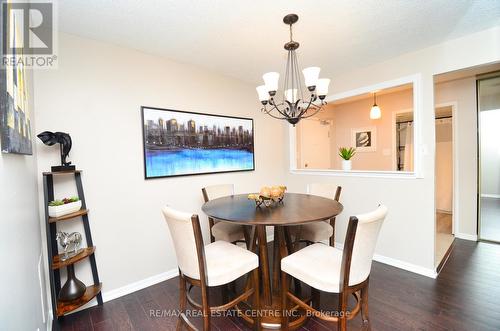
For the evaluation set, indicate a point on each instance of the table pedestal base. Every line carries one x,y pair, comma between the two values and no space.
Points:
271,316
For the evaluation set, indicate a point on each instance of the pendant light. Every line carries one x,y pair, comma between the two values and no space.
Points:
375,112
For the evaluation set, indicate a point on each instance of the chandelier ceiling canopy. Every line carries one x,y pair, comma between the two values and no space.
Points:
290,104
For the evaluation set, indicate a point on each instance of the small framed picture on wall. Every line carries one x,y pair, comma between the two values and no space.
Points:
364,139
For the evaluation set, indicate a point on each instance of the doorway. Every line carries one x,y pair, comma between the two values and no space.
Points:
488,92
315,138
444,181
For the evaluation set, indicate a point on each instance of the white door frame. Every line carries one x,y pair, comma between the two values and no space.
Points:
454,141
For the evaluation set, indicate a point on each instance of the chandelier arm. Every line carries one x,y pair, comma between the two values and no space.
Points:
275,106
305,109
317,109
268,112
315,112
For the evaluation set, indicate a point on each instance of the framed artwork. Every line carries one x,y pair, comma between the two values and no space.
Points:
180,143
364,139
15,124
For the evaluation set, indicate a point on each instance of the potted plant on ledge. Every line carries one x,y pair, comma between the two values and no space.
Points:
346,154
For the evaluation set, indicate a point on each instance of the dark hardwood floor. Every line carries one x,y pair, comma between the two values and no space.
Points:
465,296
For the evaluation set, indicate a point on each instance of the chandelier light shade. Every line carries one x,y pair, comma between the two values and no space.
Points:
311,76
289,102
271,81
375,112
322,86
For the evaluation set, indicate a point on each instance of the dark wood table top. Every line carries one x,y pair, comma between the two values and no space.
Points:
295,209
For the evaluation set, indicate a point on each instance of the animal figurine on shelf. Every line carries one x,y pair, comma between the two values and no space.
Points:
65,143
70,242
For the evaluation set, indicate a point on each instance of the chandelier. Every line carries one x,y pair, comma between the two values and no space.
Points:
293,106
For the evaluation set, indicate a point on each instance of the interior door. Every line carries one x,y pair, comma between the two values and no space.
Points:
489,158
315,144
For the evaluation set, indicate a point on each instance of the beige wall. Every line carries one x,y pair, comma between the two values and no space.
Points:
444,165
95,95
354,115
408,235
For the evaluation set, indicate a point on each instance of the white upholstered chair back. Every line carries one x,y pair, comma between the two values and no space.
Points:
217,191
180,225
367,232
322,190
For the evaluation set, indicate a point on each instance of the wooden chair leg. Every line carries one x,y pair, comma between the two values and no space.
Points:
315,298
247,235
332,238
284,304
256,300
342,321
182,300
364,305
205,308
291,249
225,293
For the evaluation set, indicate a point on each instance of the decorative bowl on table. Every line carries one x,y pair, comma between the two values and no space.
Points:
269,196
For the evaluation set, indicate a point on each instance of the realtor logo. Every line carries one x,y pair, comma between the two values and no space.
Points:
28,34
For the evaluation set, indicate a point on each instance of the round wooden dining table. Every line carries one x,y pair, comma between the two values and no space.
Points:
295,209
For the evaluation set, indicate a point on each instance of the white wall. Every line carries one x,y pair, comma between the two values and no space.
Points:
20,243
95,95
408,233
463,93
490,153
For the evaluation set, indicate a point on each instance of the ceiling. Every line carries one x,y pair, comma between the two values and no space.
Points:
244,39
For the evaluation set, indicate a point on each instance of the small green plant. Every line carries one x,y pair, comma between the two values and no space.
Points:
347,153
63,201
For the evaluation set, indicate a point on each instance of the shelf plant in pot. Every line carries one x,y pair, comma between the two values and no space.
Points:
58,208
346,154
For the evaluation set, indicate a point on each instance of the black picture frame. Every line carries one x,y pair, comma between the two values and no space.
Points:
145,134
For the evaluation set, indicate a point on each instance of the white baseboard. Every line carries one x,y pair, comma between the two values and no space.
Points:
466,236
494,196
400,264
405,266
139,285
130,288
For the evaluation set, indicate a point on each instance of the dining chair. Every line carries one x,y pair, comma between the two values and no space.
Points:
215,264
325,230
220,230
329,269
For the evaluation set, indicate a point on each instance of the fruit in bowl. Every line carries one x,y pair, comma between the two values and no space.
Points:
268,195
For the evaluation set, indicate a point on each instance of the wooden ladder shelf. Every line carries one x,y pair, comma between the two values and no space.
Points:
55,261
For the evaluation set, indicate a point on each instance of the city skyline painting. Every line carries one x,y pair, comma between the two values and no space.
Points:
179,143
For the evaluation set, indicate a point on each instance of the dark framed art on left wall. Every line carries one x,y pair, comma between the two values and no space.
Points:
15,123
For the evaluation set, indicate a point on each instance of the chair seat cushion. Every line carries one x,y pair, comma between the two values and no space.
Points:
317,265
227,231
227,262
316,231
